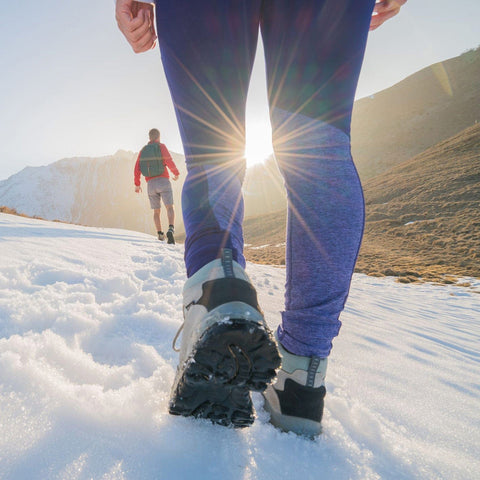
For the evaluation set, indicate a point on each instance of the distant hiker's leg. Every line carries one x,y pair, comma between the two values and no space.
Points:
166,194
170,214
154,197
156,219
208,49
314,50
171,224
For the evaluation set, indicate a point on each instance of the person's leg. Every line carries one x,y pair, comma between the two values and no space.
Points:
227,350
154,197
170,214
208,48
171,223
166,193
314,50
156,219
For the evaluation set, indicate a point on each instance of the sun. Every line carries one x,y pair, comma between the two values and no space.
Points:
258,145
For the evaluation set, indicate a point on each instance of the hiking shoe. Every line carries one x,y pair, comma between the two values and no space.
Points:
161,236
295,400
170,237
227,350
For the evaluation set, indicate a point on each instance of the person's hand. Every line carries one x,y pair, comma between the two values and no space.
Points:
175,177
138,189
383,10
136,21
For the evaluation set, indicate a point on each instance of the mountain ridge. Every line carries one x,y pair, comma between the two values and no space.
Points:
98,192
421,217
388,129
418,112
396,124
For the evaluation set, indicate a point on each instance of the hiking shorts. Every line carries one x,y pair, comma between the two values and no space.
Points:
159,188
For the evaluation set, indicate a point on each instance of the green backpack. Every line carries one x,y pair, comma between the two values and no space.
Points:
151,163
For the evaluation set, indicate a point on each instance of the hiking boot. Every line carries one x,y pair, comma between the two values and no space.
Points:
170,237
295,400
161,236
227,348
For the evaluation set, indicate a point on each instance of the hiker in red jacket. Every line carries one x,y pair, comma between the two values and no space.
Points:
159,187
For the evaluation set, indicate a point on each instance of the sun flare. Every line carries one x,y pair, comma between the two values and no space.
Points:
258,145
258,141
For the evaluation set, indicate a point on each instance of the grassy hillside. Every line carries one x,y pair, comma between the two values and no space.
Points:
422,217
426,108
392,126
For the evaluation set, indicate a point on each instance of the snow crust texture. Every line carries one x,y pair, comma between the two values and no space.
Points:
87,317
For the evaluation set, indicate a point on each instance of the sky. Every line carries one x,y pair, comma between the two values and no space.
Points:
87,318
71,86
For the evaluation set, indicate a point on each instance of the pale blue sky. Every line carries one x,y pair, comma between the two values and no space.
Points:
71,86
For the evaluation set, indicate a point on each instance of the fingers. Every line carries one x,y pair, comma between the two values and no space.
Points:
141,34
386,5
135,21
384,10
381,18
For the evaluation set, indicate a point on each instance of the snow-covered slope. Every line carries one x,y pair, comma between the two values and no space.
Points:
89,191
87,316
47,192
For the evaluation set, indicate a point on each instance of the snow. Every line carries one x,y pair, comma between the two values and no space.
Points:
78,190
87,320
43,191
418,221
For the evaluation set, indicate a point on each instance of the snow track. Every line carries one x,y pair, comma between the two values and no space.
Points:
87,317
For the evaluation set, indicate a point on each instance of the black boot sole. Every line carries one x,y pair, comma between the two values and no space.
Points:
229,361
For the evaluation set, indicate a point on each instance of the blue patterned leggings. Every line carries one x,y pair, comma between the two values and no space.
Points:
313,55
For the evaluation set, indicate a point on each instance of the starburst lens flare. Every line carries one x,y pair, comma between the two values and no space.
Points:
258,141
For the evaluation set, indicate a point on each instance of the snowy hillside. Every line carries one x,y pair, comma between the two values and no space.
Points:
89,191
87,316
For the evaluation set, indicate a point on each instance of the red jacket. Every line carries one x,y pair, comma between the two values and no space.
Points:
167,160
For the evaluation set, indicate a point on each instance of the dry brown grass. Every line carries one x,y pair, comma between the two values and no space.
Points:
422,219
417,113
12,211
